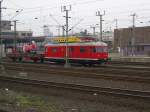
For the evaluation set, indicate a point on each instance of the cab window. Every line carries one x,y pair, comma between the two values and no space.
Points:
99,49
105,49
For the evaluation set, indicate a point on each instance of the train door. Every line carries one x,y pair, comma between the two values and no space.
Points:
92,51
84,52
71,52
46,51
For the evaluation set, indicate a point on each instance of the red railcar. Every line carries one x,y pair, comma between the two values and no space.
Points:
83,53
27,52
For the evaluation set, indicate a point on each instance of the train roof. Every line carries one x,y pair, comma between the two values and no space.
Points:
78,44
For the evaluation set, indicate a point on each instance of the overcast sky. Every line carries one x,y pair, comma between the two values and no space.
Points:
83,13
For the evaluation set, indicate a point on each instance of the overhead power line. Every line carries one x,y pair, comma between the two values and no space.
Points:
34,9
76,24
75,3
17,13
12,2
54,19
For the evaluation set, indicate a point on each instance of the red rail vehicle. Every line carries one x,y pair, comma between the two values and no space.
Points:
27,52
83,53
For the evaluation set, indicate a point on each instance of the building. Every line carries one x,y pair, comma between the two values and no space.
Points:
9,38
19,34
7,32
131,42
6,25
47,32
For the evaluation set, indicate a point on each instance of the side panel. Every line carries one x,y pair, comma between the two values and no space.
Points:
87,54
55,51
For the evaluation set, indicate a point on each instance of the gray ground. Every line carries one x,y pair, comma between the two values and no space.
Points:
57,103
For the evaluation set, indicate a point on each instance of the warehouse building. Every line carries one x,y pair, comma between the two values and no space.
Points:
129,41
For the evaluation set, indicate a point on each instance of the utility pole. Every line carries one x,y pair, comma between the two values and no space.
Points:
15,34
1,47
58,30
116,23
66,9
63,30
93,27
101,20
133,34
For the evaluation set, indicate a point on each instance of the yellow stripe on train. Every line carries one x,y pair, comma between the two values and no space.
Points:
63,39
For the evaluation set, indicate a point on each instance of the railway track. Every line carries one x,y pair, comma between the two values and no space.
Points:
130,63
80,88
97,73
47,65
111,63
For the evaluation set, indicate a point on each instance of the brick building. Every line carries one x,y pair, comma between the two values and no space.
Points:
129,42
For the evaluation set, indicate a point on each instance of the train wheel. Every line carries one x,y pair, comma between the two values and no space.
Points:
35,60
85,65
14,59
90,64
20,59
42,60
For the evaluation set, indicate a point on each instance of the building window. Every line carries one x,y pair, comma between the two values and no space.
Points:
140,48
23,34
29,34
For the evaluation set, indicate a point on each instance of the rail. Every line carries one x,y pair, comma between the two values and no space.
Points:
82,88
97,73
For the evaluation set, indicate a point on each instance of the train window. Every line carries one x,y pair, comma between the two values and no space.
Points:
94,50
105,49
54,50
82,49
99,49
